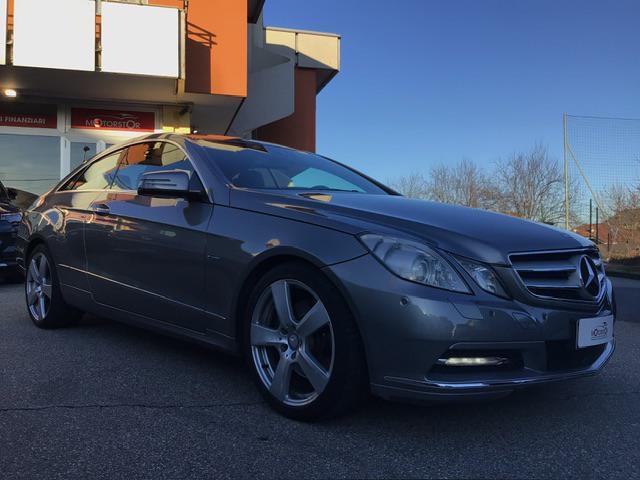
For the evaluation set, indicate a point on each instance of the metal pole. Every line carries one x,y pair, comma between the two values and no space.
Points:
590,218
566,173
597,224
98,46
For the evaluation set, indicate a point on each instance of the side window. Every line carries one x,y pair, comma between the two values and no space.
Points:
98,176
149,157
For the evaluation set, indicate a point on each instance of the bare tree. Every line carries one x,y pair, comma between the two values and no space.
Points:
527,185
531,185
621,198
439,186
413,185
463,184
624,222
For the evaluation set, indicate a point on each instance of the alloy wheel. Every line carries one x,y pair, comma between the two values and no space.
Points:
39,286
292,342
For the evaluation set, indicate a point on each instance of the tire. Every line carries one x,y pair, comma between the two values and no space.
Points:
311,365
45,304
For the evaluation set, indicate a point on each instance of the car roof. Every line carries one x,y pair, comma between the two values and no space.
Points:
203,139
209,137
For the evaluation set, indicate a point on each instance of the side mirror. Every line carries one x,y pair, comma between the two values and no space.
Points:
169,183
12,193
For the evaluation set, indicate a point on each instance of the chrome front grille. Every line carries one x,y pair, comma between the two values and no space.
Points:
575,275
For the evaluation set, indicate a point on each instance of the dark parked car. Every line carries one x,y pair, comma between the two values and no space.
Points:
10,217
330,283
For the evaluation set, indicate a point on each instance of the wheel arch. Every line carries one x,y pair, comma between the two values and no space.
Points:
34,242
268,262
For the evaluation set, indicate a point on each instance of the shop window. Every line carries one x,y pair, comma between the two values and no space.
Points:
29,162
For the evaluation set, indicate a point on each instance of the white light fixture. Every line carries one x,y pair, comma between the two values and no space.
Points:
472,361
10,93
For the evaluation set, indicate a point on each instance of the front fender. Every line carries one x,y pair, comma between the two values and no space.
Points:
241,242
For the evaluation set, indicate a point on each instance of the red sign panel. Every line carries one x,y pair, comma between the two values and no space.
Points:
28,115
92,119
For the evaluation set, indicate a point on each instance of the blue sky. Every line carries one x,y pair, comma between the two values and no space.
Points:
426,81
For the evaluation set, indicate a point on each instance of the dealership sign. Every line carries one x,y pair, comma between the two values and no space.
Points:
28,115
92,119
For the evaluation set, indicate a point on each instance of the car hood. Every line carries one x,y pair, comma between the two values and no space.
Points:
482,235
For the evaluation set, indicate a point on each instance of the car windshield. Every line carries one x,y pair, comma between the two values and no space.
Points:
252,165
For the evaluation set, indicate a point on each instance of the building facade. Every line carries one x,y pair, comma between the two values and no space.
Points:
77,76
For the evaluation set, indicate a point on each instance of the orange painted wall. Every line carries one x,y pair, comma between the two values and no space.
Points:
168,3
216,51
299,129
10,10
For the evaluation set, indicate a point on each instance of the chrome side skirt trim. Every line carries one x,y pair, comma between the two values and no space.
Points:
141,290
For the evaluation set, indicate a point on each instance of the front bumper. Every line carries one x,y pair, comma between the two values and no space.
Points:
407,327
483,387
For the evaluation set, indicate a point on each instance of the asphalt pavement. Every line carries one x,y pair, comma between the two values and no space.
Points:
104,400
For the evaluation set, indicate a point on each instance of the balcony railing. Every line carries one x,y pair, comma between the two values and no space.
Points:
108,36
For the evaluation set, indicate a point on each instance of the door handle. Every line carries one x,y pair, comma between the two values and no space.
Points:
102,209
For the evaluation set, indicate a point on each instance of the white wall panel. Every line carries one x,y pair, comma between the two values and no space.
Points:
140,40
271,92
3,32
55,34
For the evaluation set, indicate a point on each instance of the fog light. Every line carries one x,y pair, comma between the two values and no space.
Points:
472,361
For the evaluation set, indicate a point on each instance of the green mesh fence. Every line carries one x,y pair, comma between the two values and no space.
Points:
602,188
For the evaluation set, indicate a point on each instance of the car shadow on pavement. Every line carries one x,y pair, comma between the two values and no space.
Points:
123,363
220,374
6,283
94,393
156,343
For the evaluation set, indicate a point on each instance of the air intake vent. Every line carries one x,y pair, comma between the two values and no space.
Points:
576,275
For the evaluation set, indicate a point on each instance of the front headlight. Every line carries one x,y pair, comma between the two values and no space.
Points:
11,217
415,262
484,276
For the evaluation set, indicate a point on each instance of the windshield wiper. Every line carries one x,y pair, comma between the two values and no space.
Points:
331,190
